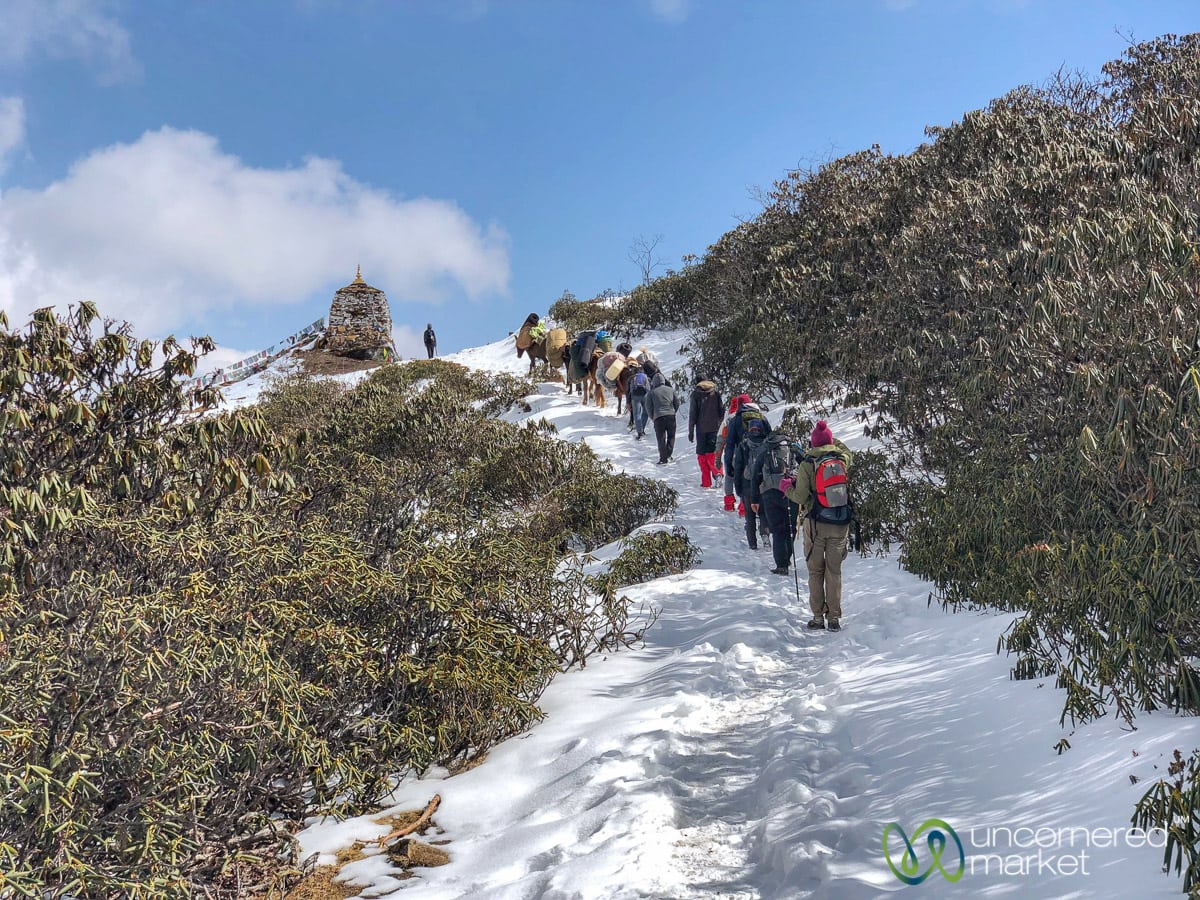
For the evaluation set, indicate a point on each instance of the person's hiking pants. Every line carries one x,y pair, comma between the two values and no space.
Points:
825,546
706,457
639,414
664,431
780,513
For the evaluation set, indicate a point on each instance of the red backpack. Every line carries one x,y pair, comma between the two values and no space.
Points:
833,491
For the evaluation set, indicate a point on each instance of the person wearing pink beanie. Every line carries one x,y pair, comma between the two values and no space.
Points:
821,492
821,436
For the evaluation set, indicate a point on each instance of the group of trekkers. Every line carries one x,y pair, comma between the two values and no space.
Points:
653,400
777,483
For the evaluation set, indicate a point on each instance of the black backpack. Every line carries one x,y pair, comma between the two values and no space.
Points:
745,461
776,460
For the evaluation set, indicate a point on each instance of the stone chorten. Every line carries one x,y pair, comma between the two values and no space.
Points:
360,322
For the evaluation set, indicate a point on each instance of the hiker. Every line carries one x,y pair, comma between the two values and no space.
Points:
821,493
774,468
704,421
662,405
639,388
747,410
745,480
723,465
430,340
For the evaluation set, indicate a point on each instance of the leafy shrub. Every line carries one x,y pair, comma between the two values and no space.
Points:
208,633
577,315
647,556
1015,305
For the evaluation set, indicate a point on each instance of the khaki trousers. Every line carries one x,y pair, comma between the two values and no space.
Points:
825,546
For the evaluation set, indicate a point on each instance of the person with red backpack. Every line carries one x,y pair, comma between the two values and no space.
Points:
822,491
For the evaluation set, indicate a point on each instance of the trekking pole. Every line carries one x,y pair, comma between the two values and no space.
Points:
795,565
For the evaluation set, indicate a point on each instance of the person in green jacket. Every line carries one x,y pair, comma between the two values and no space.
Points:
827,514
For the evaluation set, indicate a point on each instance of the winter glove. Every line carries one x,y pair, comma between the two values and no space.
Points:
787,483
691,438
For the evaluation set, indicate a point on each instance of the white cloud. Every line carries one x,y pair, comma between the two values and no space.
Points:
672,11
66,29
169,228
12,127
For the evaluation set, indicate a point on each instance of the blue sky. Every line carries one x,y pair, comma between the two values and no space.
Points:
221,167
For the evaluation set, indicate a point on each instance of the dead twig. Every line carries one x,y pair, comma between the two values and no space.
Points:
421,822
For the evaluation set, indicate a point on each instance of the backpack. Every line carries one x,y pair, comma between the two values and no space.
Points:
754,425
745,459
776,460
832,484
641,384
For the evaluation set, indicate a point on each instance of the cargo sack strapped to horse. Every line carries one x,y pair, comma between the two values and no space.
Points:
607,362
581,354
556,339
525,336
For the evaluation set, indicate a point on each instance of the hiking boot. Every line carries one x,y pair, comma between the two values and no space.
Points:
834,625
816,622
741,508
781,570
729,503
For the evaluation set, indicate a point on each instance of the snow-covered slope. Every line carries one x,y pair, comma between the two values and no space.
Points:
739,755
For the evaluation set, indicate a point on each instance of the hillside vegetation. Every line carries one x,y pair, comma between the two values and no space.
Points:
213,626
1016,307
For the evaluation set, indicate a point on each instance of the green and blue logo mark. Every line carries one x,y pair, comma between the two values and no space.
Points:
938,835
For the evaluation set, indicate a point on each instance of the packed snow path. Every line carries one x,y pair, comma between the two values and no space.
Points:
739,755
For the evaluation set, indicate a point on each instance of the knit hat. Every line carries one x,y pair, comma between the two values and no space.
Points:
821,435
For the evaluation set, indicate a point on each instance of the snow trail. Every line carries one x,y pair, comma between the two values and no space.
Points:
739,755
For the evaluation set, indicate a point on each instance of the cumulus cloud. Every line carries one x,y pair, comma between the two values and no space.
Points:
169,228
12,127
66,29
672,11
